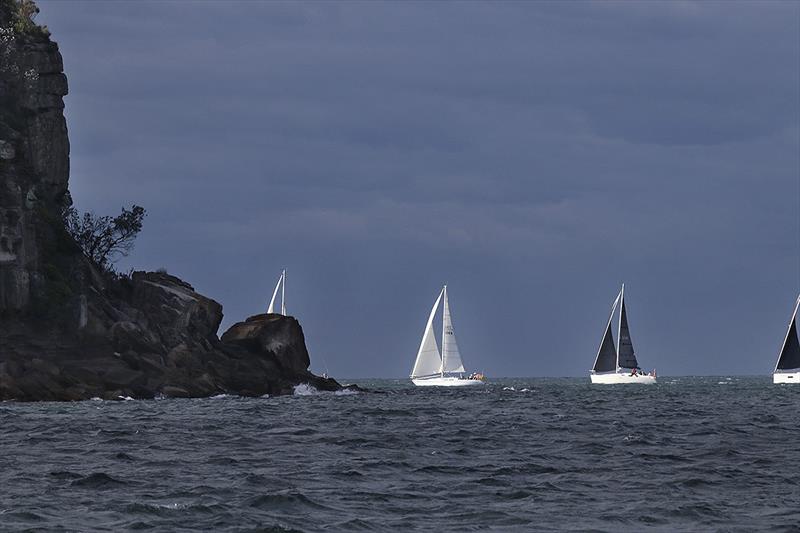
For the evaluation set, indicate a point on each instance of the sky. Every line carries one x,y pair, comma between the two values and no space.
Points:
531,155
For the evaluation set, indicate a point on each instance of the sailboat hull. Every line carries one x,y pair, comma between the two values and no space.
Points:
446,382
786,377
618,378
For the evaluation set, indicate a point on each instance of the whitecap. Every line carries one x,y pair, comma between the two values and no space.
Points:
172,506
304,389
125,398
220,396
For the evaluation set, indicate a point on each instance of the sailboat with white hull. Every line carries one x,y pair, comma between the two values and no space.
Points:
618,364
787,369
445,368
281,285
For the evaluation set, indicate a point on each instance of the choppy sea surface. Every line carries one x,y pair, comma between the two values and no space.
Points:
711,453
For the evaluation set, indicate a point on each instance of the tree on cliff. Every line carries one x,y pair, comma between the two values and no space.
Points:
102,238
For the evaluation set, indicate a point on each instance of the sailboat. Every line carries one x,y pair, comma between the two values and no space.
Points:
281,285
787,369
445,368
618,364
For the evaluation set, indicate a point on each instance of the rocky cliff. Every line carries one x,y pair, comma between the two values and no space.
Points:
69,331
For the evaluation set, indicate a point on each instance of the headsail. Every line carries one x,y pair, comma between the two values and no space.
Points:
606,360
625,356
282,286
789,357
429,360
451,358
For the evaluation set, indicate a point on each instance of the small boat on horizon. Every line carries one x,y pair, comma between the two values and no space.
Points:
282,286
787,369
617,365
433,368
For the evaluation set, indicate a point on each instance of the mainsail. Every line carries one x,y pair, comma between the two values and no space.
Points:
429,361
789,357
625,356
451,359
282,286
606,360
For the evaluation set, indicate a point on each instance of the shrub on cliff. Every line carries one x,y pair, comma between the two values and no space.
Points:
104,239
22,14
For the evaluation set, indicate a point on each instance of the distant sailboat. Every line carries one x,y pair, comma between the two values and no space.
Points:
787,369
618,364
281,285
445,368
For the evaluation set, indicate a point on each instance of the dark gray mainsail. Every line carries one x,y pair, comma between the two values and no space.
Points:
607,356
627,359
790,354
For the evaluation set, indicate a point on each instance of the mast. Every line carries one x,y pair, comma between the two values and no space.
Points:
788,332
619,328
444,330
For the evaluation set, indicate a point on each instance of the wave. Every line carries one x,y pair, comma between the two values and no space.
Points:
97,480
304,389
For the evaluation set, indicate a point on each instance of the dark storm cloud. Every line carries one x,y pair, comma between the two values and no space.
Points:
533,155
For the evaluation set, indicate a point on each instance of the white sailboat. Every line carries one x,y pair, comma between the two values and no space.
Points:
445,368
281,285
787,369
618,365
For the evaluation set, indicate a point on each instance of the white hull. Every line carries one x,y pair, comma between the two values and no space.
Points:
614,378
786,377
445,382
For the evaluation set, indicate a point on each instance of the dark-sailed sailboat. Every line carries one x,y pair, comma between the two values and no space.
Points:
787,369
618,364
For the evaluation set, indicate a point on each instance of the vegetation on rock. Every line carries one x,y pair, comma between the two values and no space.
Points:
104,239
23,15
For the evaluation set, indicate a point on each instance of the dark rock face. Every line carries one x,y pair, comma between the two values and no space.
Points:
34,155
158,338
71,332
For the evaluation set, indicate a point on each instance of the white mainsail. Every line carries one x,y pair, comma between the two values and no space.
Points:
282,286
451,359
429,361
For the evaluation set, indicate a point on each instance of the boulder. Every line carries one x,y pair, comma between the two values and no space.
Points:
278,336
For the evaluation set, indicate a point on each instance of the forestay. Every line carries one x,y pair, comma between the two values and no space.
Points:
606,360
429,361
789,357
282,286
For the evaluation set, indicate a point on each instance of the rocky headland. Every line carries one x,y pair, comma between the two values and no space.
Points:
68,329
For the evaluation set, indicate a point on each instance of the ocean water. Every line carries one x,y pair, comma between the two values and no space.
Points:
691,454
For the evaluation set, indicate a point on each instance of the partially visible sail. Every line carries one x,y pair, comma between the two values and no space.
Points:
789,357
626,357
429,361
451,359
282,286
606,360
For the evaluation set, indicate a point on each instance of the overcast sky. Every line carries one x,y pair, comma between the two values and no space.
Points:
532,155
